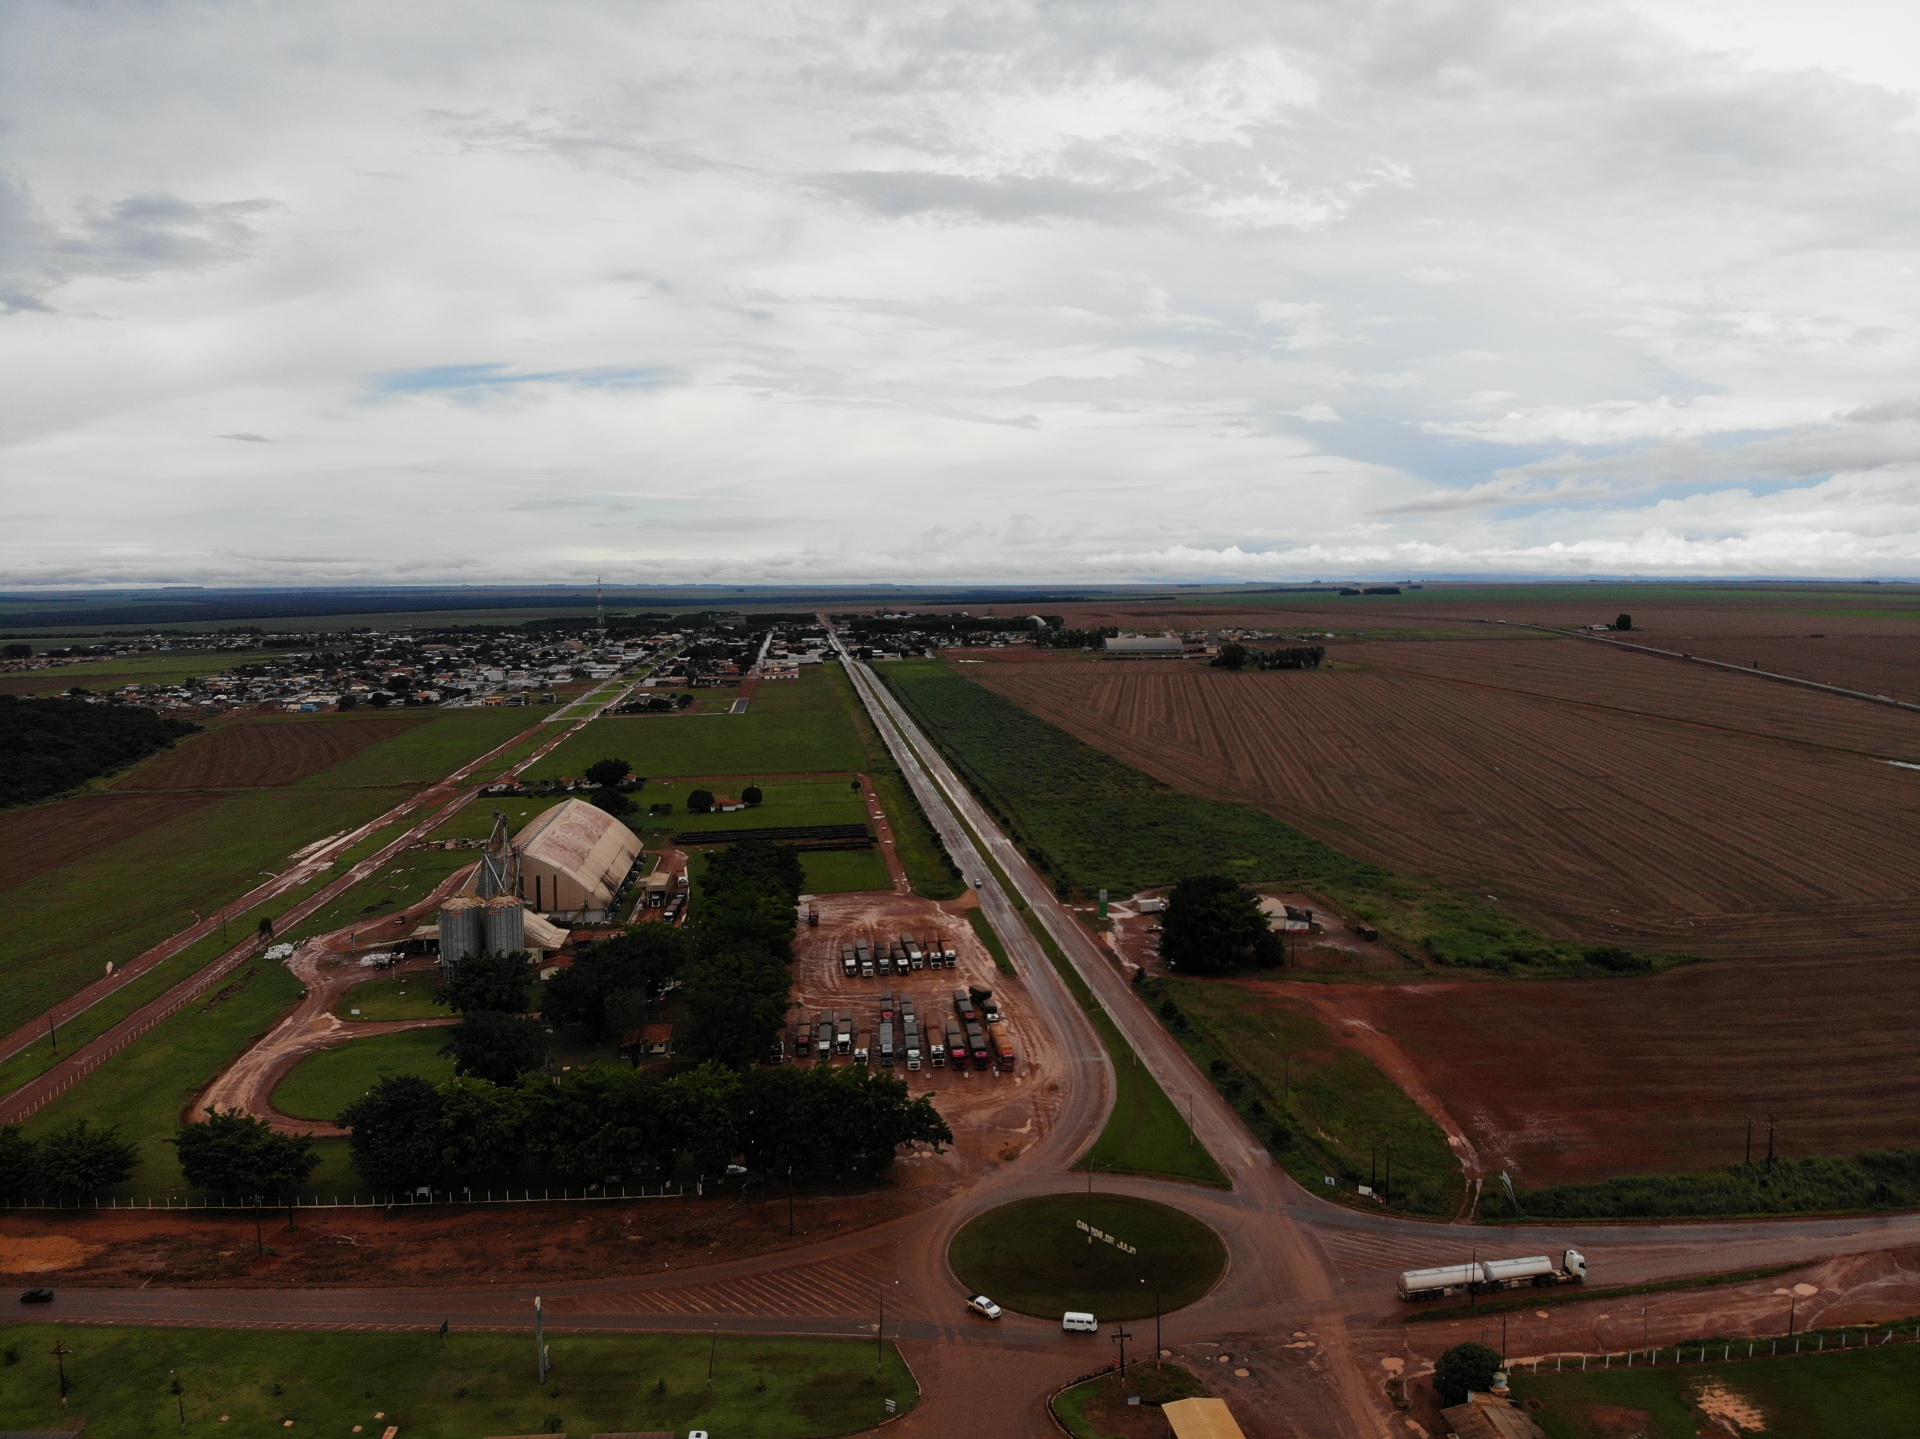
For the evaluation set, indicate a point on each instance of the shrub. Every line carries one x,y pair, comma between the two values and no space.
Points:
1462,1368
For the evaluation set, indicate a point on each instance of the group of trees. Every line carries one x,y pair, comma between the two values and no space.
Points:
236,1156
50,745
73,1163
616,985
1294,657
739,985
606,1123
495,1039
1214,925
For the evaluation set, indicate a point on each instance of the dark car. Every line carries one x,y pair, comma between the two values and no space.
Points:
37,1296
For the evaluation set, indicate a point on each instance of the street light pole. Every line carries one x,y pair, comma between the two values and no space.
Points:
1120,1337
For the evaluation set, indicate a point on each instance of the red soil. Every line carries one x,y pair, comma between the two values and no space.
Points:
248,754
34,841
1608,796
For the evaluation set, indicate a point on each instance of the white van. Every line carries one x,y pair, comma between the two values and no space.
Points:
1075,1323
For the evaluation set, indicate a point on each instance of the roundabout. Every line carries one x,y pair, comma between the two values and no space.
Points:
1112,1255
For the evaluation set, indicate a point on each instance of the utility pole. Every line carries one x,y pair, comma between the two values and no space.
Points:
1749,1159
1793,1303
179,1397
1770,1122
789,1201
1157,1345
60,1353
880,1332
1089,1205
713,1350
1120,1337
540,1337
52,1034
1386,1190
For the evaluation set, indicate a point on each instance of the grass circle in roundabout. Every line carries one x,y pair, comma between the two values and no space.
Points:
1033,1255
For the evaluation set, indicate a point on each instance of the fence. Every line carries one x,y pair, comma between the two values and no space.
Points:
1727,1351
593,1194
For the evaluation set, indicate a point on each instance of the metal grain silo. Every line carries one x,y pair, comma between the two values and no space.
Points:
504,926
460,929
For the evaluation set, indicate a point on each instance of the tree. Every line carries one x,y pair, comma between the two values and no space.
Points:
1465,1367
483,1128
701,1107
600,1122
17,652
700,801
1623,622
735,1001
497,1047
751,794
497,982
397,1130
236,1155
612,801
646,958
18,1170
1213,925
79,1161
1231,657
608,772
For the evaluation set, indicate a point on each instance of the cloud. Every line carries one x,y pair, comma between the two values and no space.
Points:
1274,289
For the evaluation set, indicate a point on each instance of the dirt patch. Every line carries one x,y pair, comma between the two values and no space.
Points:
1606,796
1730,1411
39,840
44,1254
1585,1079
256,753
379,1247
1616,1421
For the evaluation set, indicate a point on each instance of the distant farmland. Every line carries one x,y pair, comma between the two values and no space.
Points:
1607,796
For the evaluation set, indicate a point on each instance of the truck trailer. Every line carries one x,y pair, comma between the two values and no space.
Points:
1488,1276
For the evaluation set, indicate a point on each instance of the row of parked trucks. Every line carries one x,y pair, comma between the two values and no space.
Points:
974,1035
866,959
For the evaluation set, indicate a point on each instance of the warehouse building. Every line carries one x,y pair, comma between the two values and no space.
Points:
573,861
1145,645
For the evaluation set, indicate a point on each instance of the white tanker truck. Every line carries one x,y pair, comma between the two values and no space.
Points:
1487,1276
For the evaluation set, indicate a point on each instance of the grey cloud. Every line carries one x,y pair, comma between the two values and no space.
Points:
126,239
246,435
1005,199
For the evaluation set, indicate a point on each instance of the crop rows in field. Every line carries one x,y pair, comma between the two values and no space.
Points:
1582,795
253,754
35,841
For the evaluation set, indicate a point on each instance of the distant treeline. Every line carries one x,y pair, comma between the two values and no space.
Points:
873,626
1295,657
1875,1179
608,1123
47,746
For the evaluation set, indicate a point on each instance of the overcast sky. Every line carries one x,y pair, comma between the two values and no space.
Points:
320,292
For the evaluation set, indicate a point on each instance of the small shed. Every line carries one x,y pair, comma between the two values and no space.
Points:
1201,1419
1486,1416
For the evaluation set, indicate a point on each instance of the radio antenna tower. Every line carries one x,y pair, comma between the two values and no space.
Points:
599,605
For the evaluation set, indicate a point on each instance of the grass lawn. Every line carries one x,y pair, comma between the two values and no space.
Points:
459,1388
429,751
322,1085
845,871
790,728
145,1088
1098,1409
1282,1067
110,674
398,996
785,803
1862,1394
1032,1256
409,878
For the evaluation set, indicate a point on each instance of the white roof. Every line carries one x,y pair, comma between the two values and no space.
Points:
583,842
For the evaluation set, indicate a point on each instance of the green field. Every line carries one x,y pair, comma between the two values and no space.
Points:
983,927
1862,1394
795,727
117,902
147,1087
1322,1108
1081,1408
110,674
320,1086
1032,1256
405,880
845,871
1876,1179
457,1388
1088,822
397,996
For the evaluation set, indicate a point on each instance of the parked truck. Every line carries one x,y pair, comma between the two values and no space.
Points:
963,1006
843,1037
849,961
1001,1043
1488,1276
886,1043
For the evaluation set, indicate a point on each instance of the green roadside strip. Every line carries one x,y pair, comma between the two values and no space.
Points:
983,927
252,1381
930,869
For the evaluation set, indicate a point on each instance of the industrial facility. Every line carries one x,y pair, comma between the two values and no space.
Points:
573,862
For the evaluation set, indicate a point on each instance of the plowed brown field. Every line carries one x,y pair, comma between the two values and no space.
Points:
34,841
249,754
1607,796
1564,1083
